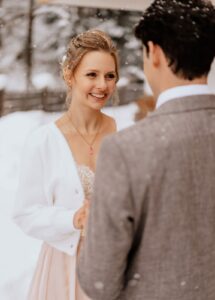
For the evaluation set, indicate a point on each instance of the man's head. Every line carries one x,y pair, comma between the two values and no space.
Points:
184,31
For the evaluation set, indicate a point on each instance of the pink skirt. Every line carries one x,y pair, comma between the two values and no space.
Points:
55,277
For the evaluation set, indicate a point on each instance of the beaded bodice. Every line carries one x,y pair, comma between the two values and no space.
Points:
87,179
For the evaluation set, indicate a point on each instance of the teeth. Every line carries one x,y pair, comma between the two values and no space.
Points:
98,95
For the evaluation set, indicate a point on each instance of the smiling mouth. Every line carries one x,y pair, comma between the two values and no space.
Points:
98,96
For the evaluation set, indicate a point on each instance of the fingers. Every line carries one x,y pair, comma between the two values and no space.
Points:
79,218
86,203
82,215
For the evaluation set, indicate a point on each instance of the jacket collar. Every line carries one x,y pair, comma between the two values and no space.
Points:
182,91
186,104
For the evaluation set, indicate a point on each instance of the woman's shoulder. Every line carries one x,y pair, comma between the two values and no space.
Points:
109,123
38,136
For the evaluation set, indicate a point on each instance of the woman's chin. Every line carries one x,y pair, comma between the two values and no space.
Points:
98,103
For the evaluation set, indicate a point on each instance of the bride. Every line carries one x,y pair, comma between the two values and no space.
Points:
59,163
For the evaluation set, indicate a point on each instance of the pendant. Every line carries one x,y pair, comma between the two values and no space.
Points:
91,150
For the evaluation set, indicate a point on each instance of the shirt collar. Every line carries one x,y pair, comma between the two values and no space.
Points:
182,91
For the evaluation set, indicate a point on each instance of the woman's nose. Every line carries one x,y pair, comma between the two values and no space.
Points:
101,83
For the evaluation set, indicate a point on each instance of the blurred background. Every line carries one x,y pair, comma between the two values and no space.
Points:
33,38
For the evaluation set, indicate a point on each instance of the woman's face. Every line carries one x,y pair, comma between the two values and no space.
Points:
94,80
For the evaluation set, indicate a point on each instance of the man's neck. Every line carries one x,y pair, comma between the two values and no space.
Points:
175,81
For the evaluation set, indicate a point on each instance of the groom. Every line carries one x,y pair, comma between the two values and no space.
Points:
151,230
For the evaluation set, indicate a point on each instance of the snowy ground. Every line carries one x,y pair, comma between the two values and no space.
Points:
19,252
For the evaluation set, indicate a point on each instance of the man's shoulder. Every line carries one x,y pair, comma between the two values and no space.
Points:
136,133
138,128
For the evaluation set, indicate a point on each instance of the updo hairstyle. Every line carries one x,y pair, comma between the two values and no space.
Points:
91,40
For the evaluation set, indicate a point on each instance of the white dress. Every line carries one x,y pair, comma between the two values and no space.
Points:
54,277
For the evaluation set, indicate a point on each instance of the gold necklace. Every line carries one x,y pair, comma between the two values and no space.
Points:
90,144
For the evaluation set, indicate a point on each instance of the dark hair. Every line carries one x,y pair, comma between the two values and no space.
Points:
185,30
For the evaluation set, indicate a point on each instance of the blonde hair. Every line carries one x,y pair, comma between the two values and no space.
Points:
91,40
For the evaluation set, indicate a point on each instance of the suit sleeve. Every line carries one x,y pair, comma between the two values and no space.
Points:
32,211
109,237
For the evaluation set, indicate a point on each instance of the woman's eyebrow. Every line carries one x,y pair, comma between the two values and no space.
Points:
95,70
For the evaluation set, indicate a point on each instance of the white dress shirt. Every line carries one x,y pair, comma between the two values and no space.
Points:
49,190
182,91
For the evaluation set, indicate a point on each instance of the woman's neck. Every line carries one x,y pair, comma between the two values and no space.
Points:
85,119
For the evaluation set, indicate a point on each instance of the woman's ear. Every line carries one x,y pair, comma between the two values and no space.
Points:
67,75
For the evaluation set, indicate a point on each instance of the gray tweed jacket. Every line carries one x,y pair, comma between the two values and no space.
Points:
151,230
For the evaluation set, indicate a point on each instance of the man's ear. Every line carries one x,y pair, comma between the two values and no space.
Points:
154,53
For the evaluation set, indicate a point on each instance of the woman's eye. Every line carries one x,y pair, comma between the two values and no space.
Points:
111,76
91,74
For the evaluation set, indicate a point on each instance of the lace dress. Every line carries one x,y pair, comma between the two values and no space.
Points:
55,275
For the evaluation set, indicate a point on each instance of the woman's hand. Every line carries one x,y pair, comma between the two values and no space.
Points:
81,215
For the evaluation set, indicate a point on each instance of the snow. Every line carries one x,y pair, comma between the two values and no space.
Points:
3,81
43,80
211,77
19,252
53,27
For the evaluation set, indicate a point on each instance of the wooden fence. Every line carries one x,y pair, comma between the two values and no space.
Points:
43,100
50,101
